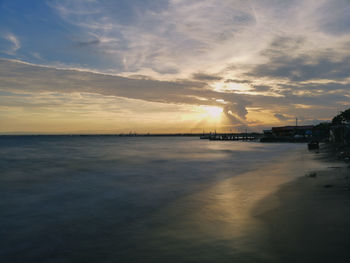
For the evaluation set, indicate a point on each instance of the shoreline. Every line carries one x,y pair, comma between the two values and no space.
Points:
311,222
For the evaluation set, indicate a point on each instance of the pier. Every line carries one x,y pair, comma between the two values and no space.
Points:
231,136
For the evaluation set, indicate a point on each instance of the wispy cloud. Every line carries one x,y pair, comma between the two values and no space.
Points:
167,39
174,37
15,44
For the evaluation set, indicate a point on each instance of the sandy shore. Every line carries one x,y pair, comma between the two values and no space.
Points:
312,220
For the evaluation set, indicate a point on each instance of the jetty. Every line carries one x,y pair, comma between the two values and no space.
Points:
232,136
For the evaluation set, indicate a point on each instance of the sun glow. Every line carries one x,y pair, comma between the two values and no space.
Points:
212,111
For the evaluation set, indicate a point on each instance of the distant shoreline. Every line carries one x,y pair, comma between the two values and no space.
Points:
129,135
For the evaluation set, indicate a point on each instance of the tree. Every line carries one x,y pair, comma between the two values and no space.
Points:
344,116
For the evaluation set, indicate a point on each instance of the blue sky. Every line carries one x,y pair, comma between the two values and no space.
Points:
262,63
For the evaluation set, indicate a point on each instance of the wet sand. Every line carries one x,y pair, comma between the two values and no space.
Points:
311,222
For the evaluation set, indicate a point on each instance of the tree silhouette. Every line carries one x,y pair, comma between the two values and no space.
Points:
344,116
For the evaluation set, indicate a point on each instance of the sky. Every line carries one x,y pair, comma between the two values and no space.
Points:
119,66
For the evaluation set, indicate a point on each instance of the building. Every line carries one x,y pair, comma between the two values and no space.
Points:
288,133
292,131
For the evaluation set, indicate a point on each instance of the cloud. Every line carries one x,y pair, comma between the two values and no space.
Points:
18,76
313,88
24,76
295,59
206,77
36,55
15,44
281,117
261,87
240,81
87,43
236,112
161,37
171,39
323,65
339,23
272,55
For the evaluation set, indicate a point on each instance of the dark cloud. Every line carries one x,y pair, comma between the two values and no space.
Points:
261,87
285,64
236,112
206,77
165,70
243,18
240,81
320,87
281,117
284,44
231,118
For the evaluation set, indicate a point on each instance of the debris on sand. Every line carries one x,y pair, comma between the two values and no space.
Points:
328,185
312,175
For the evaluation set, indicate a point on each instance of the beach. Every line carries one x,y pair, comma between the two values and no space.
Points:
311,221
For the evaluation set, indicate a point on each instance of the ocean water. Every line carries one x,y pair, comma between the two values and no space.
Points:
139,199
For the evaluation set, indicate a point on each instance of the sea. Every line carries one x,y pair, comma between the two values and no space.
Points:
140,199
